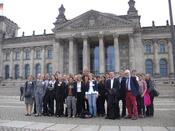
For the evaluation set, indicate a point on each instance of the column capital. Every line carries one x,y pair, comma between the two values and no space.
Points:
115,35
155,40
84,37
100,35
57,39
70,38
131,35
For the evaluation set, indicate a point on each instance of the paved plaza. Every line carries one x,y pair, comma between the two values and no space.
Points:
12,118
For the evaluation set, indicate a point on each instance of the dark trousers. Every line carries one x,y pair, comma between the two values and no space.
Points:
34,108
140,105
50,102
150,108
59,105
85,105
112,107
80,103
101,105
123,106
45,108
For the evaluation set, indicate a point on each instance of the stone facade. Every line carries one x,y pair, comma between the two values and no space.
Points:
87,41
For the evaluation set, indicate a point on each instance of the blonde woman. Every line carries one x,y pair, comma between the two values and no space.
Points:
29,95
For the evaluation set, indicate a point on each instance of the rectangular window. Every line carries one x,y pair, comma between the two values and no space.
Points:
7,56
38,54
27,55
17,55
49,53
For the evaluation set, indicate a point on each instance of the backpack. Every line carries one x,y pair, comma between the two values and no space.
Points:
86,114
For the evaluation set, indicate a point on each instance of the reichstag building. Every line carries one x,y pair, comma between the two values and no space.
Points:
99,41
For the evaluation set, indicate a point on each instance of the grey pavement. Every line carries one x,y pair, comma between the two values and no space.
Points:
38,126
12,118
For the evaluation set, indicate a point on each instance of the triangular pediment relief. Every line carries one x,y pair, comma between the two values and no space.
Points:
94,19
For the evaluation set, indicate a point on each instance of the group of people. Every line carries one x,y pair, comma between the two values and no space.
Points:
85,94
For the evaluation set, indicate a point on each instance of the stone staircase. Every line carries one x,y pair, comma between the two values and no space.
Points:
166,90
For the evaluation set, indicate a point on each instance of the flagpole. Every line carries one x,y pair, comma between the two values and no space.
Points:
172,33
1,8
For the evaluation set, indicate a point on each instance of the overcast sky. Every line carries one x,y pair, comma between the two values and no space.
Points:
40,14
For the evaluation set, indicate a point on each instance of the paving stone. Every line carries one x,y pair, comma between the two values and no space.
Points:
62,127
109,128
39,125
17,124
130,128
4,121
149,128
86,128
171,128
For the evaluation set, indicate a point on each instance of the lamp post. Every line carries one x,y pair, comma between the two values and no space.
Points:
172,33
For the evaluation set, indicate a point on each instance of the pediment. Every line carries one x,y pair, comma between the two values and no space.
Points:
94,20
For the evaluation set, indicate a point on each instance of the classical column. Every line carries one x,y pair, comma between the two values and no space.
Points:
21,64
43,62
56,56
32,68
11,64
1,60
156,59
86,60
170,58
71,55
116,53
139,52
101,54
131,52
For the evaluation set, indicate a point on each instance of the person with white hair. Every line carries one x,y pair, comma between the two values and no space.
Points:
132,91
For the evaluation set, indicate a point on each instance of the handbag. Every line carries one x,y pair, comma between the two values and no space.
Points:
156,93
27,94
147,100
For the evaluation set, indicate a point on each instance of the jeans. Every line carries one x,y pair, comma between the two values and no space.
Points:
92,103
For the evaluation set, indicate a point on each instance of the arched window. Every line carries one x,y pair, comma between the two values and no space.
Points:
16,71
27,70
110,58
37,69
49,68
7,71
162,47
163,68
149,66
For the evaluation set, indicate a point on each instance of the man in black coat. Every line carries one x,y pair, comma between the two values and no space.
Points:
122,90
112,94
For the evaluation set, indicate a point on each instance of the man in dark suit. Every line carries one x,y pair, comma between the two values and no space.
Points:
112,94
122,90
132,91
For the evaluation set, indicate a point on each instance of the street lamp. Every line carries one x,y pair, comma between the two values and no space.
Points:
172,33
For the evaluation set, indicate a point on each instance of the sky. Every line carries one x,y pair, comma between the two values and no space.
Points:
41,14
